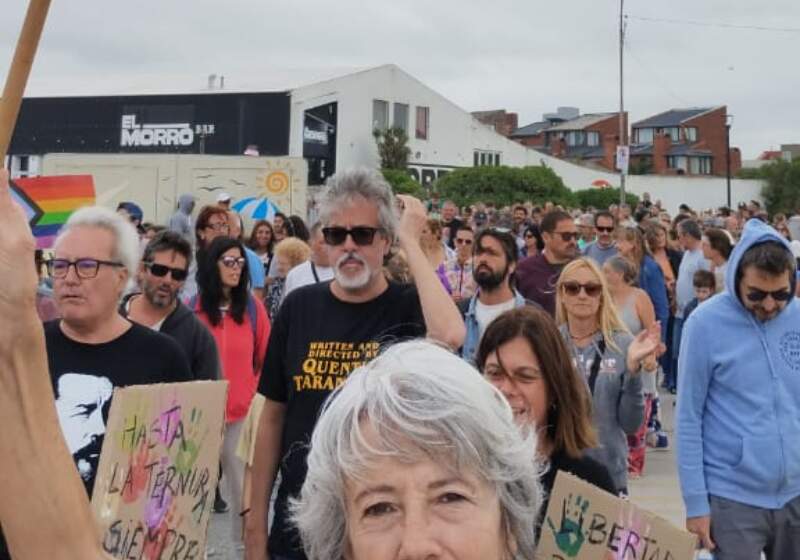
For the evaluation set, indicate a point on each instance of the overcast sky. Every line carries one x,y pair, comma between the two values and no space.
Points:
526,56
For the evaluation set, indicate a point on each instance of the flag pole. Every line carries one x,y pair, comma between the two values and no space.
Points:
20,69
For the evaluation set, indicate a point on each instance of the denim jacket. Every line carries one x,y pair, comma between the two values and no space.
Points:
472,339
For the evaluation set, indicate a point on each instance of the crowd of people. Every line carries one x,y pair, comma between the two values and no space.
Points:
416,373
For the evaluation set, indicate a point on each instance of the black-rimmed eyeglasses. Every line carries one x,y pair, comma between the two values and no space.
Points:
84,268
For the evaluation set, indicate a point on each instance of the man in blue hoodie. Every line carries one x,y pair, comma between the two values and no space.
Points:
738,412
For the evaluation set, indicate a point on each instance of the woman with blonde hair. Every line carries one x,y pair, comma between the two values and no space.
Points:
289,253
609,359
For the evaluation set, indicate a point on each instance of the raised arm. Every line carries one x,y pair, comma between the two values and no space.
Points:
442,318
44,511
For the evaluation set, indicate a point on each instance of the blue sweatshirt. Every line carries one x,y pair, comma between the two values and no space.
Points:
651,280
738,412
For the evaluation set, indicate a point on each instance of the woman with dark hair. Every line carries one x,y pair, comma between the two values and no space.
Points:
240,327
296,227
523,355
262,242
534,244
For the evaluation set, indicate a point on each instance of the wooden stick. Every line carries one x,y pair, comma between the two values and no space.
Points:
20,70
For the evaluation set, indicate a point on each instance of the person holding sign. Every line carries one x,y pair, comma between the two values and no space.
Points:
418,457
608,358
44,511
523,355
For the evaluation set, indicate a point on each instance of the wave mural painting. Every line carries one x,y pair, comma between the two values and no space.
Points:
49,202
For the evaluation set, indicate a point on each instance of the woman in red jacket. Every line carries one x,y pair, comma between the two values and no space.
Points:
240,327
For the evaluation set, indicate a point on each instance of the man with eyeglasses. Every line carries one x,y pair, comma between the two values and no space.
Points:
738,411
324,331
162,272
458,267
537,275
92,349
603,247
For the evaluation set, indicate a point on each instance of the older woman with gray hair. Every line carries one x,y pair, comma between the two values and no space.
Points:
418,456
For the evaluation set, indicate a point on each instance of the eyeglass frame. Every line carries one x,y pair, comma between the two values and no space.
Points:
240,261
593,286
356,231
97,264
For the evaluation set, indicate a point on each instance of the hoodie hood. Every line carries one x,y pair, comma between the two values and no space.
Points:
755,232
186,203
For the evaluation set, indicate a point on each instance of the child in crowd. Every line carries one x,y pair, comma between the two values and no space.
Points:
705,286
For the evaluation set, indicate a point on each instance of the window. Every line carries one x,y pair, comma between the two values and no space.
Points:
401,116
485,158
643,135
423,121
497,159
592,138
677,162
700,165
690,133
673,132
476,159
380,114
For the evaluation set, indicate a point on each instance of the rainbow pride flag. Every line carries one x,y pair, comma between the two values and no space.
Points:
49,201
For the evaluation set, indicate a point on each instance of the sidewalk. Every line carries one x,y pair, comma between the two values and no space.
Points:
658,490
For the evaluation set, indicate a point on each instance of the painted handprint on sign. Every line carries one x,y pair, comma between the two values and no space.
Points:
569,535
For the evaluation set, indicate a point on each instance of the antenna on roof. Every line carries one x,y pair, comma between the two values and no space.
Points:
212,81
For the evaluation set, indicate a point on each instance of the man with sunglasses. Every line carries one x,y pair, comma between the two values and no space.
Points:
738,411
537,275
459,268
602,248
162,272
323,331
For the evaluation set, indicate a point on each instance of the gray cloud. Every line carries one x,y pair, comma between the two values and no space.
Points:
525,56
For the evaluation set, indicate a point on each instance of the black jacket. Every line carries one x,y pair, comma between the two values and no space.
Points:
191,335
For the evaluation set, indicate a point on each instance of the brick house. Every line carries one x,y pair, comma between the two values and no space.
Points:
591,138
503,122
683,142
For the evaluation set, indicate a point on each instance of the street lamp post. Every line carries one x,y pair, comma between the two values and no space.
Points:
728,121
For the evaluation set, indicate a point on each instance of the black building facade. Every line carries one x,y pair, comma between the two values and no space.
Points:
210,123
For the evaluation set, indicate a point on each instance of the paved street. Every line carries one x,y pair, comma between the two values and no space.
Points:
656,491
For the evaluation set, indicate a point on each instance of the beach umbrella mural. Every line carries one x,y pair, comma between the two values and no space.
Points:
256,208
49,201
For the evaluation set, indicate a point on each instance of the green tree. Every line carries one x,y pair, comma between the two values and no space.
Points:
781,191
403,183
504,186
392,147
603,198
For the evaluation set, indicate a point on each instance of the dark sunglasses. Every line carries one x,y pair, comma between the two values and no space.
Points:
567,236
159,270
233,262
602,229
756,295
574,288
463,241
362,235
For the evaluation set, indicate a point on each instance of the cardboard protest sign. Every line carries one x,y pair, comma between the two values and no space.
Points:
158,469
585,523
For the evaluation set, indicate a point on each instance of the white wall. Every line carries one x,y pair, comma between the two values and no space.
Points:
454,135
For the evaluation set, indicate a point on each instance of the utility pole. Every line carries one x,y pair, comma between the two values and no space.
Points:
622,134
728,119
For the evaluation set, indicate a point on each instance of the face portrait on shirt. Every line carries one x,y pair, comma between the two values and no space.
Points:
81,402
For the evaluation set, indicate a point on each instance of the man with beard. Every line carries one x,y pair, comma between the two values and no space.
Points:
162,272
325,330
494,262
738,407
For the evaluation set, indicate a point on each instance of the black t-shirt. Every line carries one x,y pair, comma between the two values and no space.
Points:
84,376
315,342
583,467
